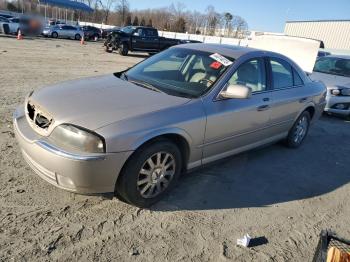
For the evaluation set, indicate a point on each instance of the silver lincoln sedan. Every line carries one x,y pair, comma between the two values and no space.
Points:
134,132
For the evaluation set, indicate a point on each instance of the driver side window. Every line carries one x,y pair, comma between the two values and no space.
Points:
251,74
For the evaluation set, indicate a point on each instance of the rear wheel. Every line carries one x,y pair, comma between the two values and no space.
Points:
149,174
299,130
123,49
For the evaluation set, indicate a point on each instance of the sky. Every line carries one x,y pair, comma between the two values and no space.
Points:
263,15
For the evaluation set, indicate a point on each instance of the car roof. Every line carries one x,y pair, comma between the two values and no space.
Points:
339,56
233,51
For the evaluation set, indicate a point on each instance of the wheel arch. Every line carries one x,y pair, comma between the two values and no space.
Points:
311,108
177,136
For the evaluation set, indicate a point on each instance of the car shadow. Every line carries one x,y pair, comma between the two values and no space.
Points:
270,175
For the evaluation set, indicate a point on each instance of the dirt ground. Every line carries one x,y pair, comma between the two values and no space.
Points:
280,196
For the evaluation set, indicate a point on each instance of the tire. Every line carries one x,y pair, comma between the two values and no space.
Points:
299,131
144,188
94,36
54,35
107,49
123,49
77,37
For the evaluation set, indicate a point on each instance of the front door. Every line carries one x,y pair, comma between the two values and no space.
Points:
234,125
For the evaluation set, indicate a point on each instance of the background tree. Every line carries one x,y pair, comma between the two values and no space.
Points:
228,18
150,23
180,25
106,6
240,26
143,22
122,9
128,20
136,21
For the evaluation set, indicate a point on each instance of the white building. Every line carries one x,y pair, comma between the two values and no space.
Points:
335,34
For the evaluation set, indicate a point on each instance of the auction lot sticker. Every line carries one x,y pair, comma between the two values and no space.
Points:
221,59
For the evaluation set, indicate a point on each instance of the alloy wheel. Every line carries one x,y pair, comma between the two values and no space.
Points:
155,174
300,130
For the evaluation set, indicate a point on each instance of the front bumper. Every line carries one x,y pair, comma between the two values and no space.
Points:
85,174
332,101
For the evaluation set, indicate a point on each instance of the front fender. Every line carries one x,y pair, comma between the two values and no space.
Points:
165,131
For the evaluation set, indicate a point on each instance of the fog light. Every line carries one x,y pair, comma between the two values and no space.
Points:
340,106
65,181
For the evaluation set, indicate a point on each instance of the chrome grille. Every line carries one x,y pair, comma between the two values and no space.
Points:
37,117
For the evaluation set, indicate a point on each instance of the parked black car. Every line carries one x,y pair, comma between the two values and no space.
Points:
323,53
106,32
91,32
139,39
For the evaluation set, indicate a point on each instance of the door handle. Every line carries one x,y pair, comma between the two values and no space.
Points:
266,99
302,100
263,107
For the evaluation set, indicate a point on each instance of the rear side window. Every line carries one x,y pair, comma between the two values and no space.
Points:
151,33
297,79
282,74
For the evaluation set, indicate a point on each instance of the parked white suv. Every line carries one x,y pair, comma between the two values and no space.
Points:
334,71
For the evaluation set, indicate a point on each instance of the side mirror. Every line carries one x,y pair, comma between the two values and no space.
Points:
236,91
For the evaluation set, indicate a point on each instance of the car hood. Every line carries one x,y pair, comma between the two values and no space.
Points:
331,80
98,101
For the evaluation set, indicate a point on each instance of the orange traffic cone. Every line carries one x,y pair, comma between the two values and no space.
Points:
82,41
19,35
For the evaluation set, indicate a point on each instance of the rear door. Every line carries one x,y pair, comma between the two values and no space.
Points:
289,94
71,31
145,39
151,39
63,31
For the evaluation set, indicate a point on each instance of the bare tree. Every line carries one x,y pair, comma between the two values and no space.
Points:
122,9
240,26
106,6
228,18
213,19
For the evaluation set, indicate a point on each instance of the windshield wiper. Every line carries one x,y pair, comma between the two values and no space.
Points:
145,85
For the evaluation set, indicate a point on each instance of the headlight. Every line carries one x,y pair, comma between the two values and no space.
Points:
335,92
77,138
345,91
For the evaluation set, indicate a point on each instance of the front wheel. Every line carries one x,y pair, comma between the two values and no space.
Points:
299,130
54,35
149,174
77,37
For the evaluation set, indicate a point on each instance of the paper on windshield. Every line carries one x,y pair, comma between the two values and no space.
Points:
221,59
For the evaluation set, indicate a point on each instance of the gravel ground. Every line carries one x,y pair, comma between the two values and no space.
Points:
282,197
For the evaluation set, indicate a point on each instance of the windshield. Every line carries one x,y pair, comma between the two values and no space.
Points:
180,71
333,66
128,29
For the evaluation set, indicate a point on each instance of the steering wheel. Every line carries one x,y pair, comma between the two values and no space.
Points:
205,80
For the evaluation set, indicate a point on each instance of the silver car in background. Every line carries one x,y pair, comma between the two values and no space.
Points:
63,31
134,132
334,71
